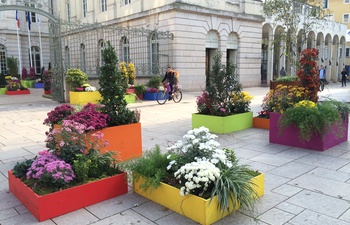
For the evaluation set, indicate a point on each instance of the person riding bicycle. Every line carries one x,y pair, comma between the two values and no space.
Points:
169,77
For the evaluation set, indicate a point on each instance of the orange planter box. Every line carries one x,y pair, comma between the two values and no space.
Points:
263,123
20,92
68,200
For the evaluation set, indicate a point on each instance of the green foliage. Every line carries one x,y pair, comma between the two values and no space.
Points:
315,120
94,165
21,168
3,82
152,165
154,82
234,186
139,89
112,90
76,78
12,65
47,80
287,79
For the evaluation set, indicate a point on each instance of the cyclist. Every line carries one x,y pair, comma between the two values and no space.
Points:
169,77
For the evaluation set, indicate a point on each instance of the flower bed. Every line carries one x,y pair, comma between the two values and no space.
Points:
18,92
68,200
206,211
290,136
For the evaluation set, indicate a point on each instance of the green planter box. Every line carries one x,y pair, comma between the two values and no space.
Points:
2,91
130,98
28,83
223,124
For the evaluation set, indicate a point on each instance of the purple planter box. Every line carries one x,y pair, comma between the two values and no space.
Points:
290,136
151,95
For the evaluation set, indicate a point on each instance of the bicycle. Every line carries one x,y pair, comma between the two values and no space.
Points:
163,95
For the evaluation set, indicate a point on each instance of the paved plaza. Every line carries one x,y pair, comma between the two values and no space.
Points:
302,187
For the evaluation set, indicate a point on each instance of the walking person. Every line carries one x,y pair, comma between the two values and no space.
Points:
282,72
322,77
344,76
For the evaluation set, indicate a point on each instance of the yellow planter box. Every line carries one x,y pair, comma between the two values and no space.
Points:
84,97
198,209
223,124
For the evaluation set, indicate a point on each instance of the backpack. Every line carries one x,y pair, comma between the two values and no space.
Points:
176,77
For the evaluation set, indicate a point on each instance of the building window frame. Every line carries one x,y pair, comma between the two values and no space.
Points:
68,10
126,2
84,8
325,4
346,1
3,57
36,59
125,47
347,52
346,18
103,5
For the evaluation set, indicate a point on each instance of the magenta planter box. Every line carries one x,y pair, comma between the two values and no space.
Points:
290,136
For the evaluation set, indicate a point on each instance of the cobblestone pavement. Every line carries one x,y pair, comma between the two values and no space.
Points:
302,187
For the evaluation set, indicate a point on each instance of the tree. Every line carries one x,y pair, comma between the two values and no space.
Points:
112,90
291,16
13,66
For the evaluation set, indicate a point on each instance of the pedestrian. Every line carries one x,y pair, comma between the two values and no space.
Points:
322,77
344,76
169,77
282,72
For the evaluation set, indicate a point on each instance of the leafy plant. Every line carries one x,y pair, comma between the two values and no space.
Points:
154,82
76,78
287,79
24,73
139,89
112,90
32,74
12,64
47,79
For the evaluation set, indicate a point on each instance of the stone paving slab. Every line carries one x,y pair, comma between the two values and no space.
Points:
302,187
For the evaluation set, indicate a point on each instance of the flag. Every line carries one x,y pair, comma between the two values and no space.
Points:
17,18
38,20
28,19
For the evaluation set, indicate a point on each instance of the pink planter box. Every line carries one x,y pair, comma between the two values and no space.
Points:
290,136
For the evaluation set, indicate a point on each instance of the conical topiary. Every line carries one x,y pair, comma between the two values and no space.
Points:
112,90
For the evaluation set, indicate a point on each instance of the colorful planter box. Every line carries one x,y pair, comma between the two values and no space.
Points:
68,200
290,136
152,96
27,83
262,123
2,91
84,97
47,92
198,209
19,92
130,90
38,85
223,124
130,98
127,145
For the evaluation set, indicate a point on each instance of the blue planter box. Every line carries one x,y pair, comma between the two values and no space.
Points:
39,85
151,96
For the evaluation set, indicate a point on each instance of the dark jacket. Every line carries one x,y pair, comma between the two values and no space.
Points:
169,76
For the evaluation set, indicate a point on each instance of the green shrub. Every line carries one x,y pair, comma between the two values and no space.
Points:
154,82
76,78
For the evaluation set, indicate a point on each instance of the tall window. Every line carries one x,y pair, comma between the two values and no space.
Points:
36,59
3,68
84,8
66,51
346,1
347,52
125,50
103,5
68,10
325,4
346,18
126,2
154,54
101,45
82,58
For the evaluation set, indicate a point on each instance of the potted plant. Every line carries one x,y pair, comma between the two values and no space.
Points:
223,106
196,174
47,81
285,81
28,80
139,90
70,175
318,126
14,87
129,73
152,88
123,122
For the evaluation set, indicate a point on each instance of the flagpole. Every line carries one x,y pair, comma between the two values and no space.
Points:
28,29
18,46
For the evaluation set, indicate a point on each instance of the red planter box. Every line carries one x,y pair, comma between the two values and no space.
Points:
20,92
262,123
290,136
68,200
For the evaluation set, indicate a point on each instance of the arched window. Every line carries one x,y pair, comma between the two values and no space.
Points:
36,59
125,49
82,58
3,68
101,45
154,53
66,52
232,49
